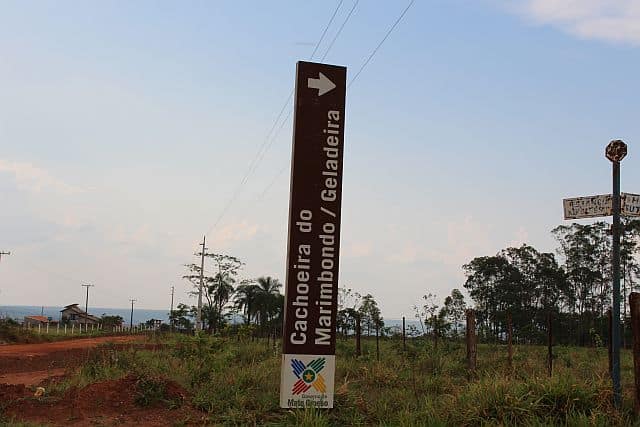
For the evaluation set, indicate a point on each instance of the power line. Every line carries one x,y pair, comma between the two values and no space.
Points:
252,168
406,9
273,181
340,30
284,168
326,28
262,150
371,55
271,136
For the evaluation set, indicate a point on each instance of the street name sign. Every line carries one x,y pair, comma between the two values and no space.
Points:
588,207
600,205
630,204
313,248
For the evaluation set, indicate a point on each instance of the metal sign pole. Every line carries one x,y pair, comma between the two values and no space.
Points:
615,152
610,205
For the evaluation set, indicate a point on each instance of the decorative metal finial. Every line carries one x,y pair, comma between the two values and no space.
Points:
616,150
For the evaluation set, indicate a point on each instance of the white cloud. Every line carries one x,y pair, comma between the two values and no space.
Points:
467,238
408,254
615,21
234,232
357,250
36,180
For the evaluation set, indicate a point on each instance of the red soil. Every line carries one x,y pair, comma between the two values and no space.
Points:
31,378
104,403
24,366
18,358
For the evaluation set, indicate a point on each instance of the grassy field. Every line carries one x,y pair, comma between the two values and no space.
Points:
237,383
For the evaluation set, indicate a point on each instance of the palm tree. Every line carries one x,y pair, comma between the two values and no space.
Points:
219,291
246,296
267,299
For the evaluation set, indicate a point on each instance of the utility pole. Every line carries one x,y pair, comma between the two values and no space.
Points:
171,312
199,317
131,320
86,305
4,253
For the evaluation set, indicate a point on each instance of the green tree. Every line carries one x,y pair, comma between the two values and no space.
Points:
180,317
246,300
454,308
268,301
218,288
109,322
348,305
370,314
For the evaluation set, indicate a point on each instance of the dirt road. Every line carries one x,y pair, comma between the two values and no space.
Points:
30,350
108,402
30,364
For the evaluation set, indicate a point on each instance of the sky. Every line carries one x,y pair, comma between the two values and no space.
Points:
126,129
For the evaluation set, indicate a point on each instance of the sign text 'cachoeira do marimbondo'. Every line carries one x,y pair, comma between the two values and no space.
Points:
313,253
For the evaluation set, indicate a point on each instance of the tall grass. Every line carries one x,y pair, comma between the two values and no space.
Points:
238,383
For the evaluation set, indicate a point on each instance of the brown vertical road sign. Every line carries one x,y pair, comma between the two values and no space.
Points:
313,252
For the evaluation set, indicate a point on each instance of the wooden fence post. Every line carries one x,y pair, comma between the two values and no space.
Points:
509,339
275,338
358,352
436,327
634,307
549,345
472,350
377,343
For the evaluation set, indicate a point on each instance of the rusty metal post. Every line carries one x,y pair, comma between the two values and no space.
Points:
472,349
509,339
549,345
615,152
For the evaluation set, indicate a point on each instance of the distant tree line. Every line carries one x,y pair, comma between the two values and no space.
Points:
574,288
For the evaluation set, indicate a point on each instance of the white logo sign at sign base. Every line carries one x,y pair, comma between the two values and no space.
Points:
307,381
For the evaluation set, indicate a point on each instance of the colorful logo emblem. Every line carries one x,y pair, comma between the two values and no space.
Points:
308,376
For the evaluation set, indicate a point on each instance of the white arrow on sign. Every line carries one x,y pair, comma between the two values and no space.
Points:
322,83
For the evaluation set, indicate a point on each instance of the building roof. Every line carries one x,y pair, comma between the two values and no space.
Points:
73,308
89,316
